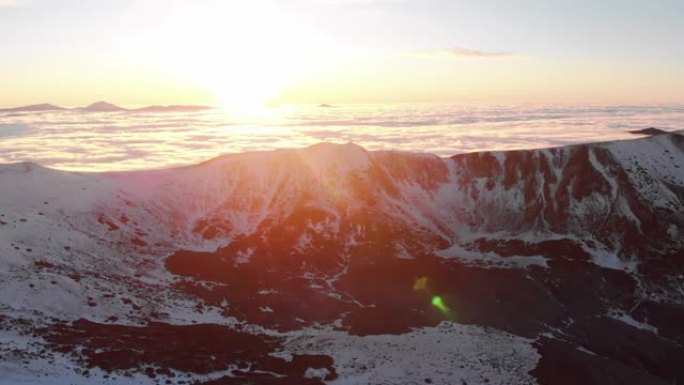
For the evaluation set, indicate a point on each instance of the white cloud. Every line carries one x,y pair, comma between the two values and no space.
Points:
90,141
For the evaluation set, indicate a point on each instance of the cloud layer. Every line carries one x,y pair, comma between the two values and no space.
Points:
115,141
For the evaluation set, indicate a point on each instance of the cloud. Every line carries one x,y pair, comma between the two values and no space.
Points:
9,130
460,52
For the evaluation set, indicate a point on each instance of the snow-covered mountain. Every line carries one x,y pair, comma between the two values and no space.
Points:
339,265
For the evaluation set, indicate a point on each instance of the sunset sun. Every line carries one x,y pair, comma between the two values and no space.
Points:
243,53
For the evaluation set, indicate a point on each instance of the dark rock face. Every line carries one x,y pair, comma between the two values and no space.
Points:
667,318
563,364
577,249
636,348
160,348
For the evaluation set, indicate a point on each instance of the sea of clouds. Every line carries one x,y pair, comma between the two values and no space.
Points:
90,141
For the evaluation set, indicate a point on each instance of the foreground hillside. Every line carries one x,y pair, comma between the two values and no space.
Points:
332,264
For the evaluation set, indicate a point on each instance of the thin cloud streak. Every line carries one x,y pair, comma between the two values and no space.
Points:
460,52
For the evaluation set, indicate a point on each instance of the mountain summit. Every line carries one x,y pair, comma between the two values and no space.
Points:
102,107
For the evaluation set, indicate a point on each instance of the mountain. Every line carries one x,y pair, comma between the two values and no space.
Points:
33,108
649,131
107,107
101,107
173,108
333,264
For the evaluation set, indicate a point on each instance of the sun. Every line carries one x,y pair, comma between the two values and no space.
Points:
245,54
248,79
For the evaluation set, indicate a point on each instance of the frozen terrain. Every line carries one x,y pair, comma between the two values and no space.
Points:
335,264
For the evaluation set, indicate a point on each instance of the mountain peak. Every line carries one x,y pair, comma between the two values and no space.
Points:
342,156
173,108
33,108
651,131
102,106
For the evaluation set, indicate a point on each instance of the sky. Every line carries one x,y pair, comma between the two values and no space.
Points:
138,52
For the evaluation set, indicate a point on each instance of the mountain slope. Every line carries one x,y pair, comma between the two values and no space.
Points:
33,108
314,256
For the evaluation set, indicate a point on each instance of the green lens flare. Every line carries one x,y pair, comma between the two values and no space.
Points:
439,304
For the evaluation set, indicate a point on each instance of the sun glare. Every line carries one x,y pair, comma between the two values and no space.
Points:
244,54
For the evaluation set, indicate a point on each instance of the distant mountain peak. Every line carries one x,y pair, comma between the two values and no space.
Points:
651,131
43,106
102,106
33,108
173,108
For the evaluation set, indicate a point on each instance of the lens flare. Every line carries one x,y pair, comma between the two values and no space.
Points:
439,304
420,284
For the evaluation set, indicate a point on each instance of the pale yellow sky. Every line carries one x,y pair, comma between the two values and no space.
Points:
130,52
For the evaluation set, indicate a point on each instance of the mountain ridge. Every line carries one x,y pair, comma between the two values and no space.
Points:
561,255
33,108
102,106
